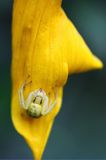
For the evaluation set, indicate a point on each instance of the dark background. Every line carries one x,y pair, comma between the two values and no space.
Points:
80,128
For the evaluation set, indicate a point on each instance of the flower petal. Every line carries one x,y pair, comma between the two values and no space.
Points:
47,47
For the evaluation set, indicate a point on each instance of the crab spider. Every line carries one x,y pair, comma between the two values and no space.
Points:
37,103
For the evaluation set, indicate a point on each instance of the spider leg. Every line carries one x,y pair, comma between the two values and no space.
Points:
21,96
47,109
50,108
30,98
45,106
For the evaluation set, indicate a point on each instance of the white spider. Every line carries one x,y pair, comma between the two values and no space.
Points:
37,103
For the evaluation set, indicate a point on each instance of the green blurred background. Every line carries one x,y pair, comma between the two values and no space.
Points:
80,128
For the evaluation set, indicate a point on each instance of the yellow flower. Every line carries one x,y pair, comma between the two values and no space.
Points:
47,48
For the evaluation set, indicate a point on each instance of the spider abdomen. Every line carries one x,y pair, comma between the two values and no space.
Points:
34,110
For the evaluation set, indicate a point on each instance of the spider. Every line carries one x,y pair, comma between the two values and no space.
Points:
37,103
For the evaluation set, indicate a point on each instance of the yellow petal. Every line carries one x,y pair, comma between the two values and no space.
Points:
80,57
47,47
72,46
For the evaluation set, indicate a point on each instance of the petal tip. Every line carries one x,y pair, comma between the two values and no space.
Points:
98,63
